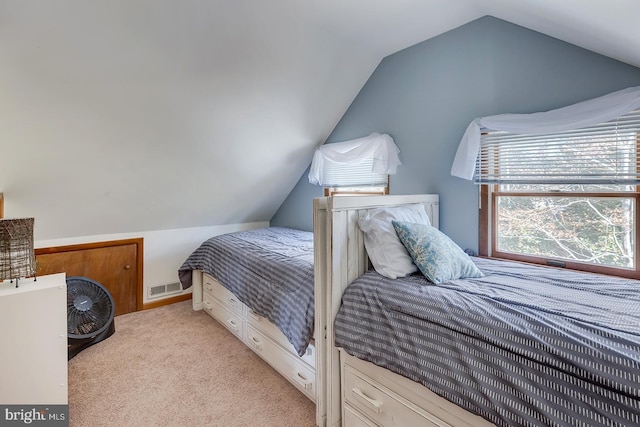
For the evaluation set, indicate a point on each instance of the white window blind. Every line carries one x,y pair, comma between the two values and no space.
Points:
352,175
360,162
577,116
605,153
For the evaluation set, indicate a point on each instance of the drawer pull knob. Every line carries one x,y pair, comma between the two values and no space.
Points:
254,315
255,343
233,324
232,301
373,404
208,286
300,379
207,305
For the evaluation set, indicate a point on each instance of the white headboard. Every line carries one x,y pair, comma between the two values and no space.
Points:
340,257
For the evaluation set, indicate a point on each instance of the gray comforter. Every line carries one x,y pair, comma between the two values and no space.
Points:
268,269
522,346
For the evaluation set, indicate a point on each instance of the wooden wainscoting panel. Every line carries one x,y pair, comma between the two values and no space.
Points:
117,265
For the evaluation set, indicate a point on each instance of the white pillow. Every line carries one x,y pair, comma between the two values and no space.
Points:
386,252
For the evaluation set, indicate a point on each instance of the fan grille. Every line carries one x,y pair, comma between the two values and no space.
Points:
90,307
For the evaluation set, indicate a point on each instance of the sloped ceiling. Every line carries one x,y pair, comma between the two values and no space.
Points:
121,116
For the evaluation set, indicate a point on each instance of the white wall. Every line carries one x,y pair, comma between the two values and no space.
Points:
164,250
118,116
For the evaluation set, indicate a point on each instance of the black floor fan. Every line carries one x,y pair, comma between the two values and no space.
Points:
90,312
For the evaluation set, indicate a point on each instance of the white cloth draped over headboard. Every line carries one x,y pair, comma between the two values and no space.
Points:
576,116
379,146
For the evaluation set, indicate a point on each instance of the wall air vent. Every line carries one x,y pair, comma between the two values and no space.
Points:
166,289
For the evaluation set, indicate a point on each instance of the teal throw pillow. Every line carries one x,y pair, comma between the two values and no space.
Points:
435,254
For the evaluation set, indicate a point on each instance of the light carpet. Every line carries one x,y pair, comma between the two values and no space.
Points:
172,366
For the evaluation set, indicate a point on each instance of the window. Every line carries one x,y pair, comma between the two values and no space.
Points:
359,166
569,198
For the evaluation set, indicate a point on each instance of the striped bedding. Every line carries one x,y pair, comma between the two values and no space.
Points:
522,346
268,269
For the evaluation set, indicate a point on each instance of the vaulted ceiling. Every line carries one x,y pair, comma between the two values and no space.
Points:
121,116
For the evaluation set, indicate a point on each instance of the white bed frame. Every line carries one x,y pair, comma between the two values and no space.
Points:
358,393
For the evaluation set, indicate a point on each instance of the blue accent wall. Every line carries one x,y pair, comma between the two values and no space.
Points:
426,95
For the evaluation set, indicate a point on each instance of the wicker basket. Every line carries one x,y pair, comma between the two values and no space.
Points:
17,257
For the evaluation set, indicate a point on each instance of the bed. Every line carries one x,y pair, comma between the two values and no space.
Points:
516,346
259,284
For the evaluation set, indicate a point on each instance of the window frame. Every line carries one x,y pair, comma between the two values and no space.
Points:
487,238
362,190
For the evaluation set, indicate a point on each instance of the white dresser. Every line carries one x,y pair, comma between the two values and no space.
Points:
33,333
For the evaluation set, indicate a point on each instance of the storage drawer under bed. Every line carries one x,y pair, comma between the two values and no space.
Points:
289,365
214,289
380,405
230,320
272,331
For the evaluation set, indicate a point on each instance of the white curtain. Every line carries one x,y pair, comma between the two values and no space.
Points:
379,146
576,116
